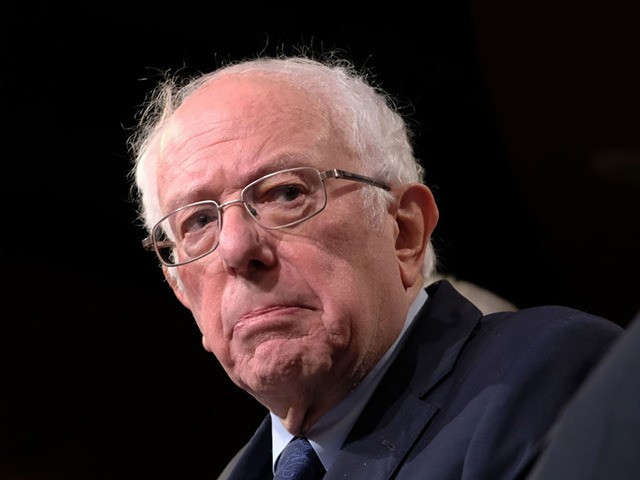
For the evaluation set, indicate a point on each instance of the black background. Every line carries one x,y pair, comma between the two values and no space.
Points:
527,121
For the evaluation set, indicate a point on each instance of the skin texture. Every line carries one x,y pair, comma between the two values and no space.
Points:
296,316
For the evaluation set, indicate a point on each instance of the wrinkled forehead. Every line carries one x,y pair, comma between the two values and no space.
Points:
249,121
233,105
233,98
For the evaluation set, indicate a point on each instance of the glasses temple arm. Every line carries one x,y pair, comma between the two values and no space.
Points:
147,244
335,173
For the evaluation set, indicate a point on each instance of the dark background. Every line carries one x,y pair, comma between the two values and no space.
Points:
527,120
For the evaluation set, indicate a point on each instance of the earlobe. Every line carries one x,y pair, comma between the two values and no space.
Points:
416,219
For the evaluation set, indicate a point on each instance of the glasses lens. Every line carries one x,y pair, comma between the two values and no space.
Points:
286,198
188,233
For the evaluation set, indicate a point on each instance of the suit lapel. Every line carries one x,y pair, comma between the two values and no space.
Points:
254,461
375,452
400,409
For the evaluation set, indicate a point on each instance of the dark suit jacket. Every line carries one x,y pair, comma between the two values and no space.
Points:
598,435
468,397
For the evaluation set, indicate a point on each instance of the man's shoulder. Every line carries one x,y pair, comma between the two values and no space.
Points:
448,302
551,319
542,335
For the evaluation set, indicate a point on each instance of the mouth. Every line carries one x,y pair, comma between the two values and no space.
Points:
270,319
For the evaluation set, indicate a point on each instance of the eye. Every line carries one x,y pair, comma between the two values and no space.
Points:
283,194
198,221
285,189
195,221
284,197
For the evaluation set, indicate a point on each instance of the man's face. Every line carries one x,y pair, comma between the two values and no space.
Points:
303,311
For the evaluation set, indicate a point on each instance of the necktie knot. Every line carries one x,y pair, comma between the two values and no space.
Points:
299,461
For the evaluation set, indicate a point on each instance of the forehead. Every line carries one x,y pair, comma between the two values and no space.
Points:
236,128
234,97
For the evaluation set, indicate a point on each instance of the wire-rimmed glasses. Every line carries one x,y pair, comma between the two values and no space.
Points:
278,200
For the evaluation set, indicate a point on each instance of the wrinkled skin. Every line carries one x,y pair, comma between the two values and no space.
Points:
296,316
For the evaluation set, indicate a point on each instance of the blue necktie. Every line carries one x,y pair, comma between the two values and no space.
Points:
299,461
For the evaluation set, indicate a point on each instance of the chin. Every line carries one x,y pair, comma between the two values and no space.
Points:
276,364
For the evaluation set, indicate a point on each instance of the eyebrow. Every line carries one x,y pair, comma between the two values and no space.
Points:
277,163
186,197
204,191
282,161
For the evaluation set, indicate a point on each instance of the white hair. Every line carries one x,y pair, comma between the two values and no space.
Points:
366,117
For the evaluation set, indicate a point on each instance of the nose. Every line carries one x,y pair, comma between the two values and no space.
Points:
243,247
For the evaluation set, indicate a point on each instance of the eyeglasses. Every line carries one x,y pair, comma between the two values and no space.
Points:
279,200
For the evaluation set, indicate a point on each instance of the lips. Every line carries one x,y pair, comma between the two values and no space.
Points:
269,318
269,310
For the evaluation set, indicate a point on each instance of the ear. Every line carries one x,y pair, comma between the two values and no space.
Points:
173,281
416,218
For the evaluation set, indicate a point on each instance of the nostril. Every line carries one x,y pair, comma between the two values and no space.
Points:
255,264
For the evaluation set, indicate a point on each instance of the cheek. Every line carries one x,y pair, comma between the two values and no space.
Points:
353,253
351,269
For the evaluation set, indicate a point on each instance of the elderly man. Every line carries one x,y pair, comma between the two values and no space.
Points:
291,218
